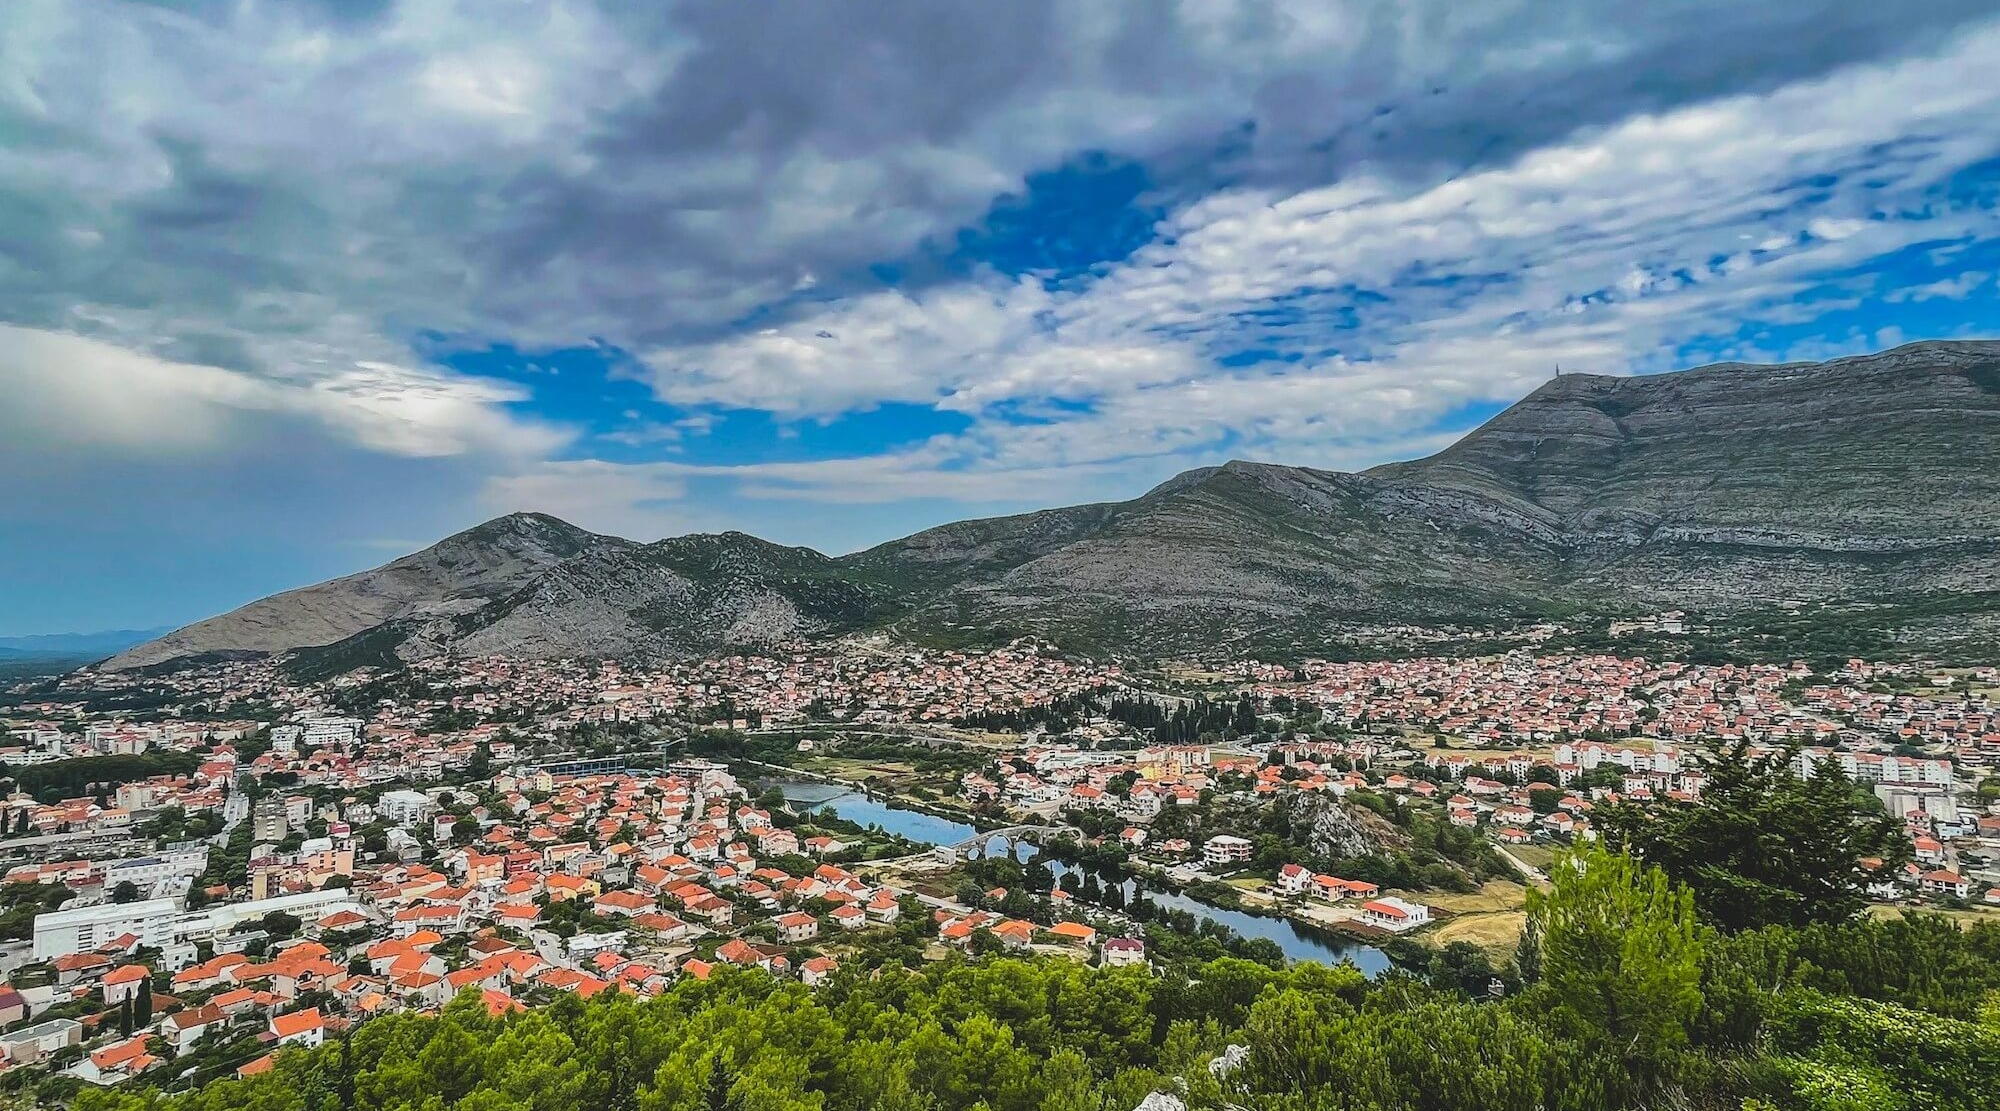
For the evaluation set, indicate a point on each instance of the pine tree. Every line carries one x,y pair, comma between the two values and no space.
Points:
125,1017
1621,955
142,1011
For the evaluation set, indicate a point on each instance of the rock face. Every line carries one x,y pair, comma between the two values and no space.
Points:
1711,489
1336,831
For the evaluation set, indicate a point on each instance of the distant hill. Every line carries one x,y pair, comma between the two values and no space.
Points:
85,645
1720,489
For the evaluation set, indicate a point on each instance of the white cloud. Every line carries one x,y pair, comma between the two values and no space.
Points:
1950,289
66,391
1598,254
245,212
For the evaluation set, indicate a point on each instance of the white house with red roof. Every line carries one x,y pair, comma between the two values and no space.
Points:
1391,913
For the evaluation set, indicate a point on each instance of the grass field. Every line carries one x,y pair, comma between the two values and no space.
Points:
1497,895
1491,918
1535,856
1497,932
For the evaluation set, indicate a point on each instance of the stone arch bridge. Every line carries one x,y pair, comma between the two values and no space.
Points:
977,846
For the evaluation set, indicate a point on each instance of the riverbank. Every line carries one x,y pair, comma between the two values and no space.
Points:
909,820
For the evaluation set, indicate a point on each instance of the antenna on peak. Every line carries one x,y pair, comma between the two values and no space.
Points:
1559,370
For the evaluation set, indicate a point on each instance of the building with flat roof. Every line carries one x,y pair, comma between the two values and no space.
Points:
59,933
163,924
25,1047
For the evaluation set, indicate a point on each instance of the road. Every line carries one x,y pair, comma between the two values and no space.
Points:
1534,875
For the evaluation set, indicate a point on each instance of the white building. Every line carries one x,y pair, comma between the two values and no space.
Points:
1223,849
405,807
332,731
285,738
175,862
161,922
1869,767
1391,913
59,933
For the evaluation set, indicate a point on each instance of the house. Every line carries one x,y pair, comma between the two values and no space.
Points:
117,1062
1293,880
38,1041
797,926
623,903
306,1028
13,1006
1942,882
184,1028
122,983
241,1000
1014,933
1391,913
849,916
665,927
884,908
738,952
1073,933
815,971
1120,951
825,846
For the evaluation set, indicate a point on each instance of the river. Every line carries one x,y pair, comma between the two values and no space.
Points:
1299,942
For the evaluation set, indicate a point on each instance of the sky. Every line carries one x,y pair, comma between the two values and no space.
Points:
290,288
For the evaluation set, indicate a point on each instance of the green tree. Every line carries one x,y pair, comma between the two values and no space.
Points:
1762,844
125,892
1620,953
1544,799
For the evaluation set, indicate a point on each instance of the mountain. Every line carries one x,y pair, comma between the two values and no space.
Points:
74,645
459,574
1718,489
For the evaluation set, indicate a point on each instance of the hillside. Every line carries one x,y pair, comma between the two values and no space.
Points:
1716,489
457,575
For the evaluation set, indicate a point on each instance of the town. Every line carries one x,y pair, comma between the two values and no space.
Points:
206,867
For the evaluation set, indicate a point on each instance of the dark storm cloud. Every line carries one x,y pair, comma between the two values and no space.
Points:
898,118
244,182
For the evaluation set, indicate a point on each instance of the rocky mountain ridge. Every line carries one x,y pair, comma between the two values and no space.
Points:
1710,489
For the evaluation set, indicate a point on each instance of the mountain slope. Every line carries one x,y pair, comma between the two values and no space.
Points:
1711,489
456,575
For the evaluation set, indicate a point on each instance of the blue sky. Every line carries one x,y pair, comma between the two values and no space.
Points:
288,289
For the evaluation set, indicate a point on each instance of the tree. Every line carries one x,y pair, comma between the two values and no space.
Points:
142,1006
125,892
1619,951
716,1092
481,765
1762,844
